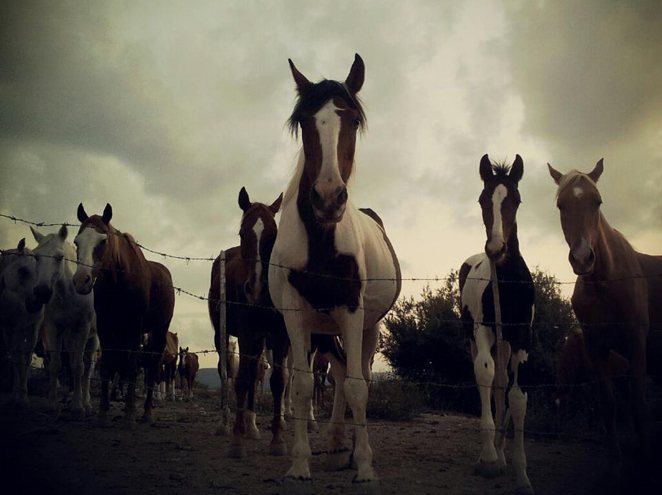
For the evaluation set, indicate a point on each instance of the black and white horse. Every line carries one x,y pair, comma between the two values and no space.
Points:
499,202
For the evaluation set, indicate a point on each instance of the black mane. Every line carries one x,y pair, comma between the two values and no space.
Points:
314,96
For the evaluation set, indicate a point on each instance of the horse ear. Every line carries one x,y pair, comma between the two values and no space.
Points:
556,175
486,168
21,245
517,169
301,81
244,200
82,215
597,171
107,213
275,206
38,236
354,81
63,232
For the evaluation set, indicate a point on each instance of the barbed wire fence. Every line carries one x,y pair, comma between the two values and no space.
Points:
223,301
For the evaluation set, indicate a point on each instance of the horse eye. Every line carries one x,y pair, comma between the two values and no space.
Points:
357,122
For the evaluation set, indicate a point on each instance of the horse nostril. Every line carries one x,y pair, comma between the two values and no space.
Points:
315,197
42,293
341,198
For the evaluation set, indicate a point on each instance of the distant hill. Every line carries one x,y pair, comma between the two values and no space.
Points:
208,377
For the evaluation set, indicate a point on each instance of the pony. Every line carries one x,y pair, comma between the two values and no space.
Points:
333,270
169,366
499,201
132,297
188,367
252,319
21,315
70,320
617,297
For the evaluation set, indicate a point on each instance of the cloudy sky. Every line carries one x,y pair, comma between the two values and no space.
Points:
166,109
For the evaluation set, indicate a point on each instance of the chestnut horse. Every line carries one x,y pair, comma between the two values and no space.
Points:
132,297
617,297
333,269
252,319
499,201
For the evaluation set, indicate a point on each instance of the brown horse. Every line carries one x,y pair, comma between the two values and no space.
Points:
617,296
252,319
132,297
188,367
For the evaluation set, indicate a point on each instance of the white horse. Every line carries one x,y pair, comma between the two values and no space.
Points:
70,322
21,315
333,270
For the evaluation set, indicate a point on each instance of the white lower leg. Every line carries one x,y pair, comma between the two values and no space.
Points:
517,401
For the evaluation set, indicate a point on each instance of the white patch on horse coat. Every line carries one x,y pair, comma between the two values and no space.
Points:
258,228
327,122
477,280
578,192
86,241
499,194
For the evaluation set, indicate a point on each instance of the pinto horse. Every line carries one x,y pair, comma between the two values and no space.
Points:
252,319
499,201
617,297
132,297
333,269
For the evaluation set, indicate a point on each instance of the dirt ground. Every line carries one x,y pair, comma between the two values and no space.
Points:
180,453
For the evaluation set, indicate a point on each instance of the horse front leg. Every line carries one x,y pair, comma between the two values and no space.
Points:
241,385
302,391
89,362
488,463
75,342
356,389
499,391
53,347
255,352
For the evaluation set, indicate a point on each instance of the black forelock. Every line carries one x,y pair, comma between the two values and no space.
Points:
314,96
500,169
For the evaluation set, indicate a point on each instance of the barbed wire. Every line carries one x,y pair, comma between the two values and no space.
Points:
435,278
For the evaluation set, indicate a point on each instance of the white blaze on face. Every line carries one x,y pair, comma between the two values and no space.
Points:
328,127
86,242
497,240
258,228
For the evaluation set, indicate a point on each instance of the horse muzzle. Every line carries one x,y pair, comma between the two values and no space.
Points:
83,283
329,208
495,251
582,260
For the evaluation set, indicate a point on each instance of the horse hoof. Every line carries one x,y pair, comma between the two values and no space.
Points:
313,427
148,419
489,469
223,430
237,452
337,460
278,449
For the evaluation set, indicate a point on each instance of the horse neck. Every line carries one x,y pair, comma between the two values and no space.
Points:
608,239
513,246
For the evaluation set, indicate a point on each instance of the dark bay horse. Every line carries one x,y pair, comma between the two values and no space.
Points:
617,297
132,297
333,268
252,319
499,202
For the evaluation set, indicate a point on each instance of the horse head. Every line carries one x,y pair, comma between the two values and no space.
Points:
499,201
51,254
258,233
94,236
578,201
329,115
18,277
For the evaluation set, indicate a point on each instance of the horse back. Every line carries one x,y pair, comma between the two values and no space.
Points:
651,267
162,297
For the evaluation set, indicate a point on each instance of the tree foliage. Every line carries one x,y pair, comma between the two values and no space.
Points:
426,341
